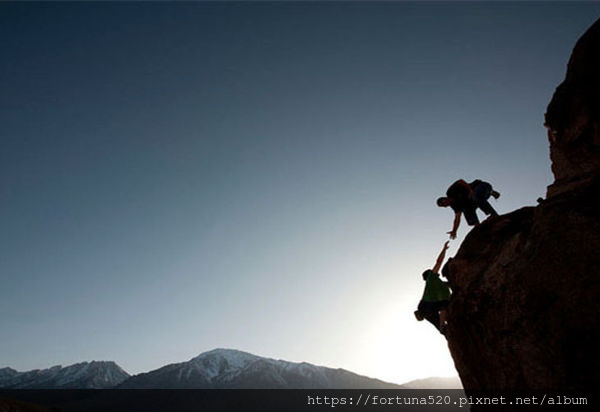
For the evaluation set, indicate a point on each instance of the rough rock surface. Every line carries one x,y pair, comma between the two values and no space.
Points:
525,311
573,117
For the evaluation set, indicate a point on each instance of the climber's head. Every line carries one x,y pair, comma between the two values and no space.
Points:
443,201
425,274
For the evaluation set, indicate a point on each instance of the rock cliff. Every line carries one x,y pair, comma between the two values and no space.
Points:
525,311
573,117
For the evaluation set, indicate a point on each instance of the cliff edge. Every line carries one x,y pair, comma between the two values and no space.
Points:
526,285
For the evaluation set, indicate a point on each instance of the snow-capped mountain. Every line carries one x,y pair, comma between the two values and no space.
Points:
85,375
233,369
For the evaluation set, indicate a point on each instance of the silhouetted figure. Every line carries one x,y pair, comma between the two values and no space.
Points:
465,198
436,296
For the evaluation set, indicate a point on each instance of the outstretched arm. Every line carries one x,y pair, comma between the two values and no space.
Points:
452,233
440,259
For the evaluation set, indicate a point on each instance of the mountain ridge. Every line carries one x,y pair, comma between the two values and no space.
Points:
81,375
233,369
219,368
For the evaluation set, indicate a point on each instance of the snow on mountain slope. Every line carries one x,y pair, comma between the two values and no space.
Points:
233,369
216,369
84,375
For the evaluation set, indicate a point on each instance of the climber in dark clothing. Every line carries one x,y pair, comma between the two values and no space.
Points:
436,296
465,198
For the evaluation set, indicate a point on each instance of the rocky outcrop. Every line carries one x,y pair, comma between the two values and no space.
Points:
526,286
573,117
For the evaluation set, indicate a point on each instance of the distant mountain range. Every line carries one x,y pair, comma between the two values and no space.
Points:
232,369
216,369
85,375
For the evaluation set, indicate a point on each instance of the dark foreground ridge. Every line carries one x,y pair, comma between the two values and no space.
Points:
526,285
115,400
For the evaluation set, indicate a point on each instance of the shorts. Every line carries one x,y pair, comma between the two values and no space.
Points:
432,307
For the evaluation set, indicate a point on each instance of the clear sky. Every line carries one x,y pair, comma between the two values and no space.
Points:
176,177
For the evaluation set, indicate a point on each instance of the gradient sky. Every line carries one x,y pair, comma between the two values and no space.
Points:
176,177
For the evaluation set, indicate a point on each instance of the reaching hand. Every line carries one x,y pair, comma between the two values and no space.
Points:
452,234
446,245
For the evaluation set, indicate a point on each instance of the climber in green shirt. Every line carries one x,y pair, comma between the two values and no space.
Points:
436,296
